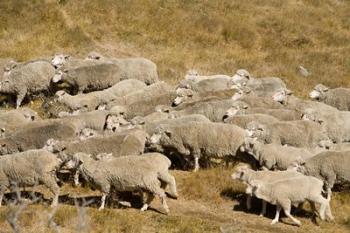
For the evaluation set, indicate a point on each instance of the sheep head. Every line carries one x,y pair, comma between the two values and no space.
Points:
318,92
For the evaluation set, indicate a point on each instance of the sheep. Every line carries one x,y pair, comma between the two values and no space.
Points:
246,175
95,75
214,110
330,166
30,168
93,100
289,101
292,133
335,124
144,101
129,142
151,127
13,119
280,114
147,173
337,97
295,190
199,140
243,120
277,157
193,76
31,78
265,86
35,134
185,95
259,102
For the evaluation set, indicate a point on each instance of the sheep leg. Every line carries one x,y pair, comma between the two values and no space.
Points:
103,201
51,184
286,208
169,180
277,215
19,99
150,197
160,192
76,178
249,201
263,209
2,192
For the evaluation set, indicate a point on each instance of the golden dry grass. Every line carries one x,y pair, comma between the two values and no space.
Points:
267,37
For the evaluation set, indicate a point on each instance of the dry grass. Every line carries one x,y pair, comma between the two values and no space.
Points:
268,37
205,205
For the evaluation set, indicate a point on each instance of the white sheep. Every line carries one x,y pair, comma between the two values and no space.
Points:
30,168
337,97
292,191
330,166
277,157
147,173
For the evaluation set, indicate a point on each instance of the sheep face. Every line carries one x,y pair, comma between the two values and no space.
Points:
59,60
236,109
310,115
249,146
318,92
182,95
241,77
59,76
113,123
11,65
6,86
256,130
191,75
240,173
282,96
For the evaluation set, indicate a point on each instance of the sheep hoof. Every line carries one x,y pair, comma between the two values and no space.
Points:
274,221
101,208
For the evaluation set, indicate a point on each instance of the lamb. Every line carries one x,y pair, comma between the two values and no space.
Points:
243,120
292,133
246,175
93,100
330,166
98,75
337,97
31,78
277,157
148,173
12,120
30,168
280,114
200,140
295,190
214,110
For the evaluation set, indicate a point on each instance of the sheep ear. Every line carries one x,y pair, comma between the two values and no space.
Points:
245,106
289,92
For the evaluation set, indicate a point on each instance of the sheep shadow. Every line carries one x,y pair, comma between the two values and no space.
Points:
240,206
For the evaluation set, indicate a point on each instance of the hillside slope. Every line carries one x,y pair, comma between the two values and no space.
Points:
267,37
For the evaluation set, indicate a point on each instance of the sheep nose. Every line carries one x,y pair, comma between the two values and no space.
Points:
114,128
225,117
